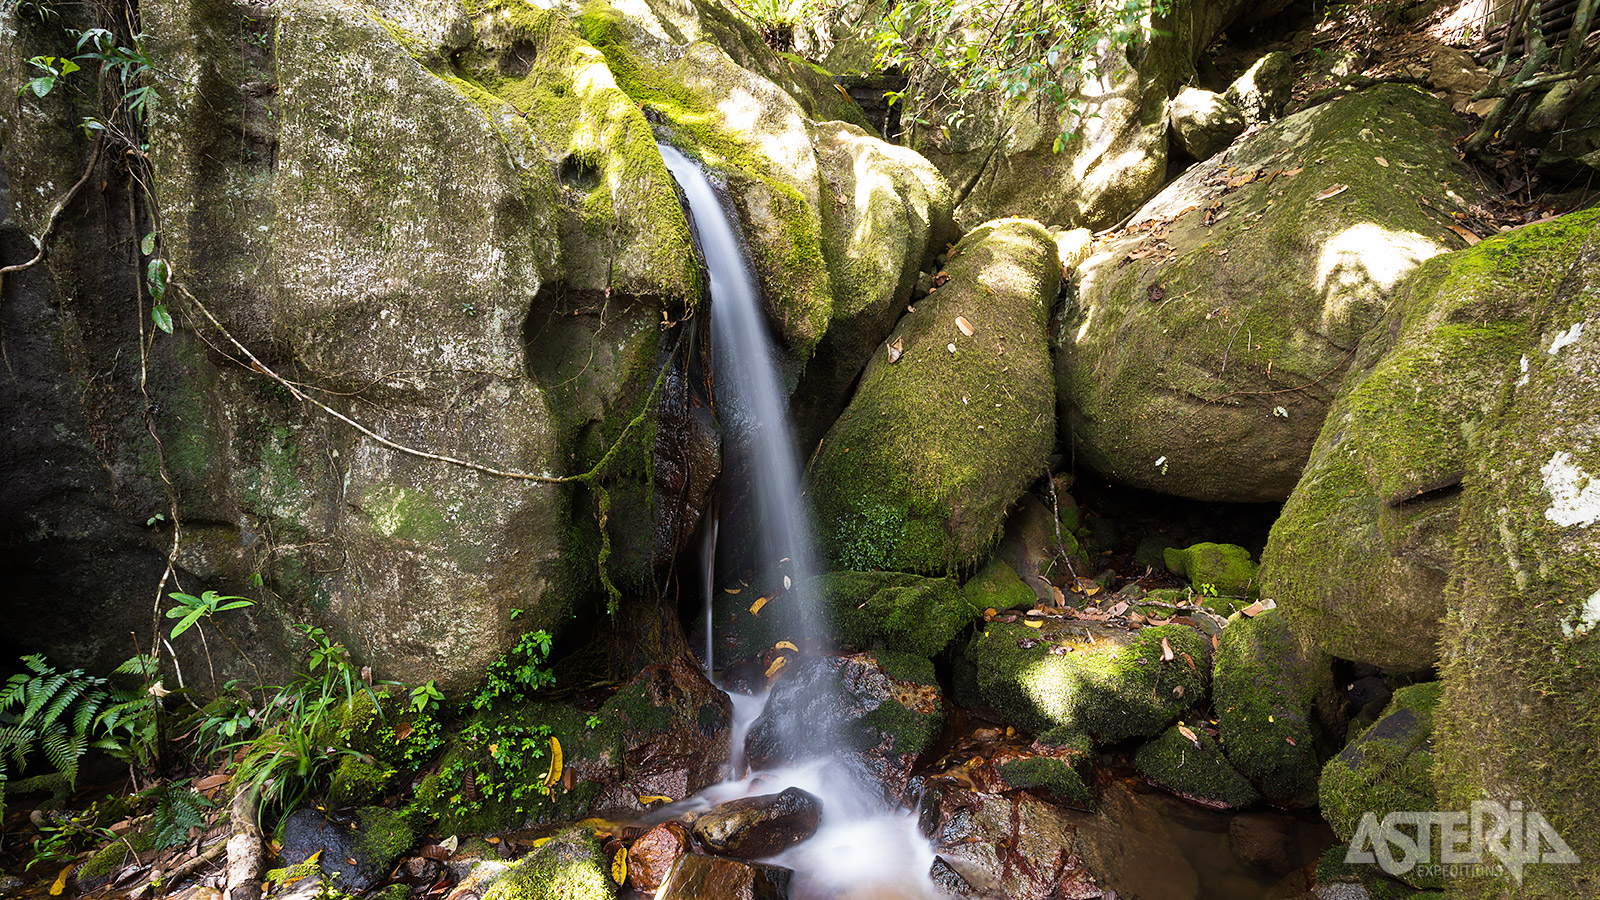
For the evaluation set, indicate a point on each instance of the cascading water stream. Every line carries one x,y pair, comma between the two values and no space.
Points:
863,848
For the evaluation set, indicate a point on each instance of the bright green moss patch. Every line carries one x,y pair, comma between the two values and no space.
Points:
1107,682
1195,768
997,587
906,667
569,866
1388,767
1056,777
1220,570
1264,689
385,835
910,732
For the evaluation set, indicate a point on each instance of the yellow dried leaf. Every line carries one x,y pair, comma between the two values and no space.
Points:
1381,161
647,799
1332,191
785,645
619,866
61,881
553,775
756,606
731,590
777,665
965,326
1034,623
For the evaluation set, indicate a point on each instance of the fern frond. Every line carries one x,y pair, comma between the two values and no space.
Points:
69,693
41,692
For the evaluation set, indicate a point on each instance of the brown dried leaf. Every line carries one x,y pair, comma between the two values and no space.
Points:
1061,599
1166,651
897,349
965,326
1466,235
1332,191
1187,732
1254,609
1118,610
211,781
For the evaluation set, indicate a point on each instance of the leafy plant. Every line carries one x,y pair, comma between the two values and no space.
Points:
519,670
57,715
54,69
178,808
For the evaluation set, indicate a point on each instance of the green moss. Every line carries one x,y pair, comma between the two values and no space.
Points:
997,587
1387,768
406,513
1056,777
1203,772
909,732
1113,685
1265,686
917,474
1215,569
358,781
569,866
385,835
906,667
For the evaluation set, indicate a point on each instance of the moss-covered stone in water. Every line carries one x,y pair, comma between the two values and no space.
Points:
1054,776
1113,685
909,732
918,472
1264,690
1224,570
906,667
1199,772
569,866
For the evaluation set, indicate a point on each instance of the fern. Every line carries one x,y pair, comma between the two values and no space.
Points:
58,712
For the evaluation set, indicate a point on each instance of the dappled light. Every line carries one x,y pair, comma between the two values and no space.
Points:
1363,262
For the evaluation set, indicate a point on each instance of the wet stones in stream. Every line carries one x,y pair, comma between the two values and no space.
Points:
696,877
1012,846
652,856
887,708
755,827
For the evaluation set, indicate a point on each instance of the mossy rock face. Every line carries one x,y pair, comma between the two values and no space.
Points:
1387,768
1221,570
885,214
1264,690
997,587
1176,362
861,610
1361,558
1057,778
1195,768
916,475
1520,717
1113,685
569,865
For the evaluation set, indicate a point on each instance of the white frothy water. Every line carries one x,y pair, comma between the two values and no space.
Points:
863,848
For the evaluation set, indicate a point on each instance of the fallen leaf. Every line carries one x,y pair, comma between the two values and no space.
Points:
1156,293
1290,173
1166,651
1291,742
1189,733
1253,610
211,781
1060,598
989,613
731,590
950,347
897,350
965,326
1034,623
777,666
1118,610
619,863
553,775
785,645
940,279
1190,660
647,799
435,852
403,731
61,881
1333,191
786,582
1381,161
1088,586
756,606
1465,234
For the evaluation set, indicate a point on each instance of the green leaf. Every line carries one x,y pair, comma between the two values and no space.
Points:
148,246
42,85
162,318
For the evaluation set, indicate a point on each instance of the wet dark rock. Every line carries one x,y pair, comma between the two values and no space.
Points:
652,856
696,877
755,827
1263,841
1017,847
358,850
676,726
887,707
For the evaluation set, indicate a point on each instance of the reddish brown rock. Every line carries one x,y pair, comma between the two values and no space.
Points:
754,827
652,855
696,877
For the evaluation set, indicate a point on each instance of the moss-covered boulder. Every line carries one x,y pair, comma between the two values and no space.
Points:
1060,779
569,865
1195,768
997,587
1361,558
1520,715
885,214
916,475
1265,688
1218,570
1387,768
1208,339
1108,682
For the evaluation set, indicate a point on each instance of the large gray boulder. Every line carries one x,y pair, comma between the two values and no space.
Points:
1209,336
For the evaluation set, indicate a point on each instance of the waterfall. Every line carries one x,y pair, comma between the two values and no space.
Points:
862,848
750,404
